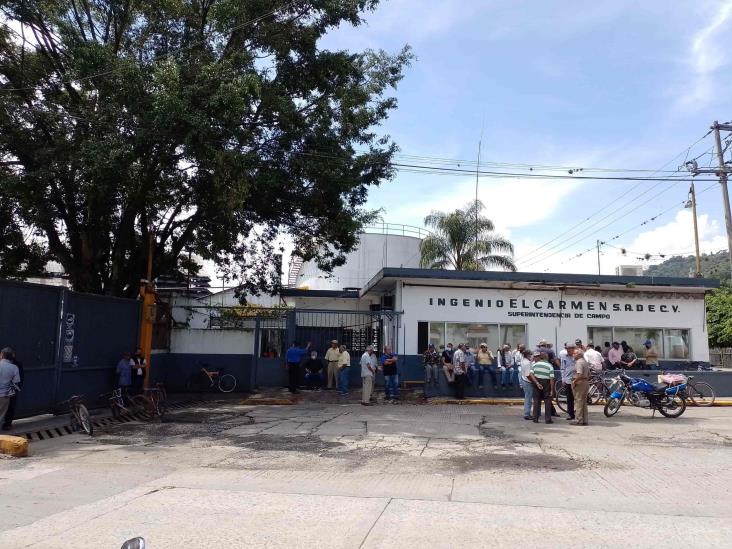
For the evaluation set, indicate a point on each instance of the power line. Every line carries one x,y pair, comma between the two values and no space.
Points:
643,223
601,210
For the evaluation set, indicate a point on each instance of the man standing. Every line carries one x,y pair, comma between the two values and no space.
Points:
294,357
10,413
526,384
124,373
614,356
629,358
331,357
391,376
460,369
469,364
369,365
447,367
9,378
651,355
344,367
542,378
594,358
138,365
580,387
568,368
431,361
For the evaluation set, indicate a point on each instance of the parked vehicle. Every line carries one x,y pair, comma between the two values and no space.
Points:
79,415
668,400
205,379
699,392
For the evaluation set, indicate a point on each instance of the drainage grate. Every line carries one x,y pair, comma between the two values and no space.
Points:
55,432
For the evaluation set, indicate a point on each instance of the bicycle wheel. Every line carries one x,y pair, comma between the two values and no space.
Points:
85,420
701,393
594,394
227,383
561,398
140,403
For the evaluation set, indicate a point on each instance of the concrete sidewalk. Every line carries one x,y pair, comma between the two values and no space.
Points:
221,474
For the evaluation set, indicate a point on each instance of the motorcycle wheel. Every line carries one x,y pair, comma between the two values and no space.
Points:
672,407
612,406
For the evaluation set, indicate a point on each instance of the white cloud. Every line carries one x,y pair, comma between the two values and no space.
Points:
707,55
673,238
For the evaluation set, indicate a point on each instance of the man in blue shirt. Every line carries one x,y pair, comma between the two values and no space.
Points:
9,378
294,357
391,377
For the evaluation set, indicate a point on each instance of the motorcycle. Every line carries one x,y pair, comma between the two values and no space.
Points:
667,399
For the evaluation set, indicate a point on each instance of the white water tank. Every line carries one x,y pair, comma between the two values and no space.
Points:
380,246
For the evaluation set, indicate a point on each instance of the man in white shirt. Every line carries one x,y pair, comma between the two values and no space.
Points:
460,368
594,358
369,365
9,379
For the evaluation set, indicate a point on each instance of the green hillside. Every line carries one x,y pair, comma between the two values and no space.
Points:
712,266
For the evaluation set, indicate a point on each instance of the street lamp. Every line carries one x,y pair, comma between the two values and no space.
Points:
691,203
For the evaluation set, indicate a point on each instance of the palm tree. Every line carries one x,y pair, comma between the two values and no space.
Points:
453,244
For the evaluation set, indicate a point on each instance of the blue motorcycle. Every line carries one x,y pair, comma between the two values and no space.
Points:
669,400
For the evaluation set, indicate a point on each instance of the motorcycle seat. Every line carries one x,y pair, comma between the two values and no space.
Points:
660,387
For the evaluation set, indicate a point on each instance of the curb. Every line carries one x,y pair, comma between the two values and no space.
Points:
517,401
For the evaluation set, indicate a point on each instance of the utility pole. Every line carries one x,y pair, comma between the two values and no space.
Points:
723,183
598,258
692,201
721,172
477,178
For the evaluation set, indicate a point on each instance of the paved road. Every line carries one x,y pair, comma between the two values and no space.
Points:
323,474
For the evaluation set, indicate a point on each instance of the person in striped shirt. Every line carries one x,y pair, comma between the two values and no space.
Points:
542,378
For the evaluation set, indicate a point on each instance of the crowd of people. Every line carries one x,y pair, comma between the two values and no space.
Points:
534,371
539,372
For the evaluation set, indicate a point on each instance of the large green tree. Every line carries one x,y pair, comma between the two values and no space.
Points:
719,316
465,240
206,126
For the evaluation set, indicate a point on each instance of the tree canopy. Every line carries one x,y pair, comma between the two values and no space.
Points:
719,316
210,127
464,240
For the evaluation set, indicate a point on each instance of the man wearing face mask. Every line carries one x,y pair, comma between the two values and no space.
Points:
313,371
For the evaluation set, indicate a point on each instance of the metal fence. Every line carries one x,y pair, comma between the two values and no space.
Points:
721,357
68,342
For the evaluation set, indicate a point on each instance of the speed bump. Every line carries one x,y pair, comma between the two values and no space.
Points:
13,446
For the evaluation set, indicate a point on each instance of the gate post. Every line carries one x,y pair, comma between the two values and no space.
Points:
255,355
58,347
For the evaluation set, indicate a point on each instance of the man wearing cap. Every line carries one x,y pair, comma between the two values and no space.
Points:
331,357
568,370
484,360
651,355
369,365
460,370
542,378
431,361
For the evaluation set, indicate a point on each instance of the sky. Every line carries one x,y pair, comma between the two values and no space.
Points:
609,84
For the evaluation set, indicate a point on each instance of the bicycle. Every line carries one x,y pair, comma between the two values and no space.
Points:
117,403
80,418
699,392
596,392
208,379
155,401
